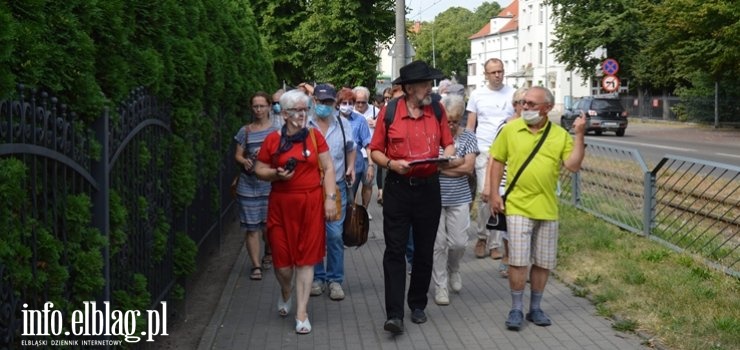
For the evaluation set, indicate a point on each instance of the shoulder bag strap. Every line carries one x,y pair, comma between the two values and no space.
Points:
316,145
531,155
344,143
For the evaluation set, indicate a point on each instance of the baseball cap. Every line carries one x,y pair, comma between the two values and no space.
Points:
325,92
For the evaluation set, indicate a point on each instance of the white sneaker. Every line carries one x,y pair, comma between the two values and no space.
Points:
441,297
369,216
335,291
455,282
317,288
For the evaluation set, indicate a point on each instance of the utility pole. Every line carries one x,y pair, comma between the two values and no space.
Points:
399,57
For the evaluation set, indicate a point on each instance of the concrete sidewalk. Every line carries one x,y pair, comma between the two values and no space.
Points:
247,318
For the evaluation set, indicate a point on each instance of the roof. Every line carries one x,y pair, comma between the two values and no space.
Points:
511,11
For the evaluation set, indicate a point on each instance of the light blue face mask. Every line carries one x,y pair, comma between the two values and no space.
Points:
323,111
276,108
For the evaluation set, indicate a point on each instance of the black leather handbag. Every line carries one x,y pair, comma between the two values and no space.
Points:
498,221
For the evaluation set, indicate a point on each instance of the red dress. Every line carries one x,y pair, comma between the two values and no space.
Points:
295,210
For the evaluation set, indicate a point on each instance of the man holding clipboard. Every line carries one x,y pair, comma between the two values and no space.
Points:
411,195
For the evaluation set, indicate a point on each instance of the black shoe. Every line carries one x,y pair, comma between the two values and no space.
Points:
418,316
394,325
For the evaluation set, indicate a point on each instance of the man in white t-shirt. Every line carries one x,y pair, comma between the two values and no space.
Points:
488,107
364,106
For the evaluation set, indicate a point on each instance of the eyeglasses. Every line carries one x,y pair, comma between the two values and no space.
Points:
347,103
360,102
275,103
495,72
293,112
260,106
530,104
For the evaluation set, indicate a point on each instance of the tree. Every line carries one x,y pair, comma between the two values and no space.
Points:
326,40
486,11
445,42
583,26
687,36
693,48
276,20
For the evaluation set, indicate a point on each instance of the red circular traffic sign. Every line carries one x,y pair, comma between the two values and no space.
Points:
610,83
610,66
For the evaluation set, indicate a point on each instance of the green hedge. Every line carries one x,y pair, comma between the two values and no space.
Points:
205,57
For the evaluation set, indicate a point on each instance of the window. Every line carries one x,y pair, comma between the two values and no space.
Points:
542,14
471,69
541,53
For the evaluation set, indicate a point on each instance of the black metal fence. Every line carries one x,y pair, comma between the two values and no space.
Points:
110,180
688,109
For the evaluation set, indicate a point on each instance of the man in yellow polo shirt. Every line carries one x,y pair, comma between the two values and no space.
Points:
531,206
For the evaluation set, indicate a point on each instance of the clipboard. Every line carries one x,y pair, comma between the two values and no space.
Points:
431,160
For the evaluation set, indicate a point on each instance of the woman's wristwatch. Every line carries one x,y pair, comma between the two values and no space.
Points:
388,165
332,196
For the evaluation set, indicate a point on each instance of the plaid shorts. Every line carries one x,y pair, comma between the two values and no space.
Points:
531,240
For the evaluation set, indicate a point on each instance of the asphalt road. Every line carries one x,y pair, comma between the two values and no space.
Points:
655,139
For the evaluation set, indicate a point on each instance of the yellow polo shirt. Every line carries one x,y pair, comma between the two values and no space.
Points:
534,194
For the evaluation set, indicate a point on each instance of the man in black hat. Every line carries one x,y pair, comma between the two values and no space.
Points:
411,198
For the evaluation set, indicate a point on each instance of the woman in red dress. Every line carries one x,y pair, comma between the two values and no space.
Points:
297,208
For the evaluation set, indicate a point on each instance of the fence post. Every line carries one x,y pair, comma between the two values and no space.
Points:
576,188
101,211
648,203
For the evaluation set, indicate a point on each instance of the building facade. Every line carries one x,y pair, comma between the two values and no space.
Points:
520,35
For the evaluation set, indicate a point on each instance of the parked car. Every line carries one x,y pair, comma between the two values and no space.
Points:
602,114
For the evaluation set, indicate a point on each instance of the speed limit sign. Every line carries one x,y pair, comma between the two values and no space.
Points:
610,83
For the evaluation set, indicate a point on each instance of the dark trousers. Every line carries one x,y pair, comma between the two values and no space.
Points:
406,205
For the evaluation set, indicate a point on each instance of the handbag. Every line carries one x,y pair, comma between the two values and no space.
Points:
235,181
338,193
356,223
498,221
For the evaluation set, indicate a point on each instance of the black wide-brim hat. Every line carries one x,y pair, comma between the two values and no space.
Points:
417,71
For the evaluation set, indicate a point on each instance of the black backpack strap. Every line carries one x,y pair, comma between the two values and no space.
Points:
436,98
390,114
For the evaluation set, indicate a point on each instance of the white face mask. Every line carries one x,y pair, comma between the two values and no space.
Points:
531,117
346,109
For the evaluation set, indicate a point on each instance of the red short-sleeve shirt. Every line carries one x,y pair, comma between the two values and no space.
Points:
307,170
413,138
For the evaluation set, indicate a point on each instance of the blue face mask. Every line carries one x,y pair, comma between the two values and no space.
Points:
276,108
323,111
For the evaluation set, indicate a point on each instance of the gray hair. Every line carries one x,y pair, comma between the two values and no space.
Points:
519,94
361,89
454,104
549,98
292,98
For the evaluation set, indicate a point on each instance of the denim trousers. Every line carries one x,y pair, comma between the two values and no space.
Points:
332,269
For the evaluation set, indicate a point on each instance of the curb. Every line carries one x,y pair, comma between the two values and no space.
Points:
224,302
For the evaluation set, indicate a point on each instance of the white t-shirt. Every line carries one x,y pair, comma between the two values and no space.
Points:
371,113
491,108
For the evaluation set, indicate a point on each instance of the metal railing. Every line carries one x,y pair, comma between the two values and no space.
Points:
687,204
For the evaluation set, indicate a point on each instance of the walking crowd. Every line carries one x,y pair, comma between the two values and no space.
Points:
308,152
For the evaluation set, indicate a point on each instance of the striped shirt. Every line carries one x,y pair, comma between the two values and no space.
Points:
249,185
455,190
490,152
